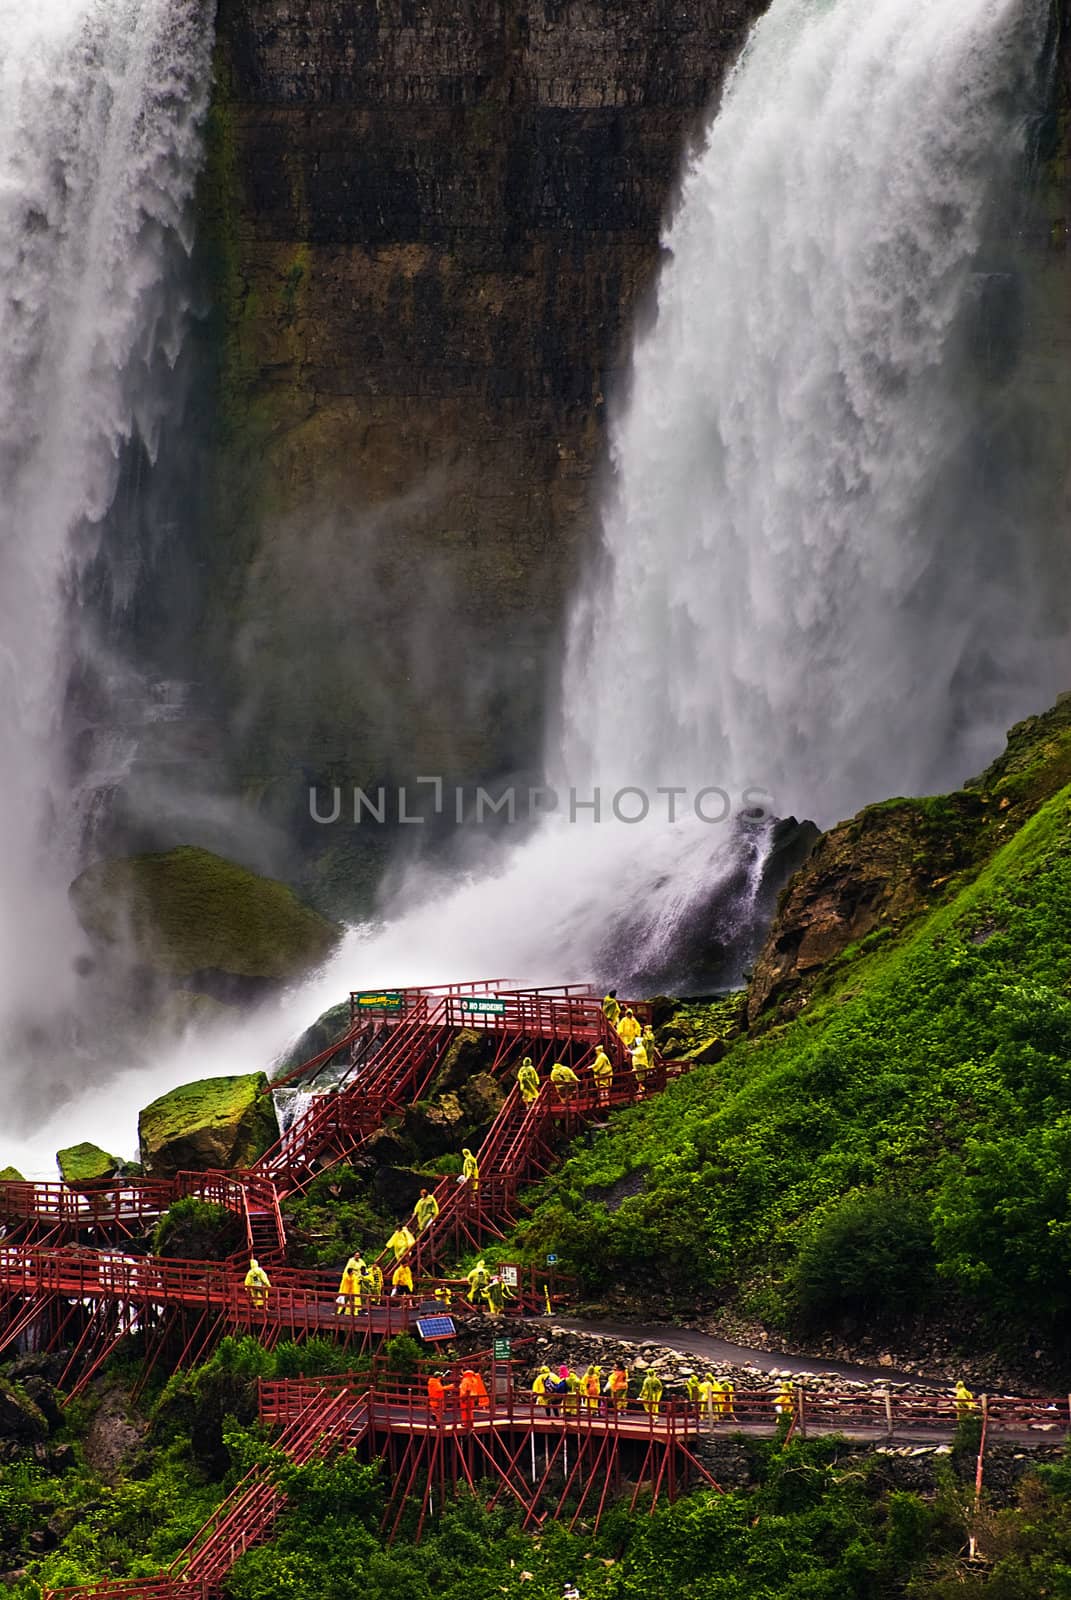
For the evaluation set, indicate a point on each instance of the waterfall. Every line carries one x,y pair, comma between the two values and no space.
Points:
101,102
825,569
820,572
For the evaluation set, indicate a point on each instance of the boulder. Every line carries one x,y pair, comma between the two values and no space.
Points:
20,1418
481,1098
11,1175
436,1128
86,1165
215,1122
709,1050
330,1025
465,1057
195,918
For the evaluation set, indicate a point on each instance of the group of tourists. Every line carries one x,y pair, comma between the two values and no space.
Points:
488,1290
364,1283
568,1393
471,1394
638,1040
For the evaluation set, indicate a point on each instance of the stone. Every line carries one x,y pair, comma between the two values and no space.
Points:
193,917
11,1175
82,1165
332,1024
482,1098
20,1418
44,1398
431,230
709,1051
870,876
215,1122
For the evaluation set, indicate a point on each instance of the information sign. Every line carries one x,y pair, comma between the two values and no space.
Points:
380,1000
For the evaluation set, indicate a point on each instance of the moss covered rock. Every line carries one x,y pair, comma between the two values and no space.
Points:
330,1025
190,914
20,1418
86,1163
11,1175
215,1122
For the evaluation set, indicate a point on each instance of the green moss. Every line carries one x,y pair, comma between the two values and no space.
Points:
215,1122
189,911
11,1175
86,1163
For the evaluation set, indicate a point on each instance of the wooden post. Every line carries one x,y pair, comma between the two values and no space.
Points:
979,1469
801,1414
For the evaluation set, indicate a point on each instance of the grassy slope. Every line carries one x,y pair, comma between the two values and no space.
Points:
930,1086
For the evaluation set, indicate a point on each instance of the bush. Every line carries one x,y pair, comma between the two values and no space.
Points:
196,1230
870,1259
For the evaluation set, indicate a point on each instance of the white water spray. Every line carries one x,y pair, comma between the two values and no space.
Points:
813,581
100,106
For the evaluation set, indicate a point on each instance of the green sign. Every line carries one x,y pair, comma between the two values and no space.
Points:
383,1000
492,1007
503,1349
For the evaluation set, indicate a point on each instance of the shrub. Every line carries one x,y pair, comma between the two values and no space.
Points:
871,1258
196,1230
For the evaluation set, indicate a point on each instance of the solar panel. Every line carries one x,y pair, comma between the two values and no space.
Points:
435,1327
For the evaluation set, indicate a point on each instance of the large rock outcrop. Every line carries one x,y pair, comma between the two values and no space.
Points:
215,1122
876,872
193,918
429,230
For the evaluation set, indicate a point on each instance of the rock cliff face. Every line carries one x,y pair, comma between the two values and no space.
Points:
871,876
430,226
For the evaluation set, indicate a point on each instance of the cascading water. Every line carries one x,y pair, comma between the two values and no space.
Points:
821,573
100,106
826,572
822,570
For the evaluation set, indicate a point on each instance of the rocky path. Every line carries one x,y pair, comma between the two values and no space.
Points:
720,1352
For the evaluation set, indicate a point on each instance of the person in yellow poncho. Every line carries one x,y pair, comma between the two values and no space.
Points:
400,1241
401,1280
651,1394
425,1211
528,1081
602,1070
348,1299
257,1283
470,1170
564,1080
628,1029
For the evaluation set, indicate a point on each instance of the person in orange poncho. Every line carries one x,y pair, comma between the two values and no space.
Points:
437,1393
473,1393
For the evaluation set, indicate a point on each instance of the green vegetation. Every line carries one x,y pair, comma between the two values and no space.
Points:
86,1163
815,1520
931,1083
334,1218
188,912
213,1123
196,1230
